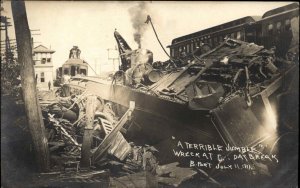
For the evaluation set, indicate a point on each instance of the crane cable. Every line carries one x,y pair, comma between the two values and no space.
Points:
92,69
149,20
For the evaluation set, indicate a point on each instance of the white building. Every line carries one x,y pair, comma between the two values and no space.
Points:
43,67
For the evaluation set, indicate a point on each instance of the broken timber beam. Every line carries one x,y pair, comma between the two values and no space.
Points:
106,143
91,105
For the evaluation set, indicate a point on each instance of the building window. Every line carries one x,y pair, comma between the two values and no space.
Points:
48,60
238,35
270,29
43,61
287,24
42,77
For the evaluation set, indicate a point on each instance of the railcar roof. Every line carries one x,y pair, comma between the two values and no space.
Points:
242,20
281,9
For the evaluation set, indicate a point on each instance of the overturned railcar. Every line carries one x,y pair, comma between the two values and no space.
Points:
231,94
219,98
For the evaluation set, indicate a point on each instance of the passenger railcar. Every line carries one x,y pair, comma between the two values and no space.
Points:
274,28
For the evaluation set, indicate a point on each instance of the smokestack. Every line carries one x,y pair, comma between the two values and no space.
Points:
138,13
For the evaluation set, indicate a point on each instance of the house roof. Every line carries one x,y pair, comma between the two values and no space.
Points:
41,48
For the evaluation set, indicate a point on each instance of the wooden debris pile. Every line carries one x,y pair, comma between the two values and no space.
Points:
67,122
213,78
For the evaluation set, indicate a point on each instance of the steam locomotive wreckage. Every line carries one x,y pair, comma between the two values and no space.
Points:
229,94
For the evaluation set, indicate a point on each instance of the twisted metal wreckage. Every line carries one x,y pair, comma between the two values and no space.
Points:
218,97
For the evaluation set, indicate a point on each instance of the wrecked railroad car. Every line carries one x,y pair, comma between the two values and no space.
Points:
233,92
225,96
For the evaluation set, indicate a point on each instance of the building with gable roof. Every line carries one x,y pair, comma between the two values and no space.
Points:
43,66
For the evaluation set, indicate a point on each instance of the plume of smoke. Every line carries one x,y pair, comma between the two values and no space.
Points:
138,16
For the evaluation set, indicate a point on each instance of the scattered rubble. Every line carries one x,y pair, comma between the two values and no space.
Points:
66,119
85,131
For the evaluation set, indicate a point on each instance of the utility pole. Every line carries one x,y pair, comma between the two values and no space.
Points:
4,27
32,108
32,40
112,58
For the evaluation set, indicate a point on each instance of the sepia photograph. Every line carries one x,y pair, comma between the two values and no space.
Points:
149,94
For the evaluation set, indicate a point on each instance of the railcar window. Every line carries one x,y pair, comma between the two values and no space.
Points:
66,71
238,35
278,26
210,42
180,49
83,71
232,35
220,39
242,35
215,41
188,48
270,29
287,24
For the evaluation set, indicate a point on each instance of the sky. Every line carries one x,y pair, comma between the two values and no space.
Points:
90,24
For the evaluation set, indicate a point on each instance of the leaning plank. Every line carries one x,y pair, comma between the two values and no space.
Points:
107,142
120,148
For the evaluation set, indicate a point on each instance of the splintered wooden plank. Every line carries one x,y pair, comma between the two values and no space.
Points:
119,147
108,140
107,126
